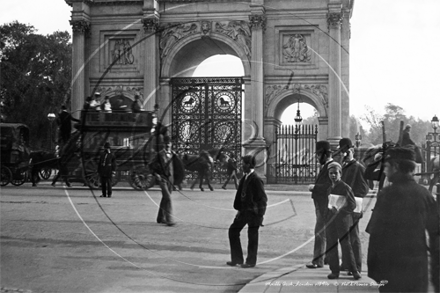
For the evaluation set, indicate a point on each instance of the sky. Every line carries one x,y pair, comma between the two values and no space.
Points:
394,50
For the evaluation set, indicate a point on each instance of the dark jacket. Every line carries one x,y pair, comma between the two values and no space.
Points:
107,164
398,250
342,188
159,166
353,175
322,184
255,199
65,123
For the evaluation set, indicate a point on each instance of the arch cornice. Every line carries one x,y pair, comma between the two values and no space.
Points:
316,93
168,59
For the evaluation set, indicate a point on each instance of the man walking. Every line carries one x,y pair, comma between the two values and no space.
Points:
169,171
404,214
353,175
250,202
320,199
106,170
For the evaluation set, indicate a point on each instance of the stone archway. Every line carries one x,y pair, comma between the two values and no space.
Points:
182,59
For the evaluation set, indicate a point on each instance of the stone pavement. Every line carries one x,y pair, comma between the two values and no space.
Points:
304,280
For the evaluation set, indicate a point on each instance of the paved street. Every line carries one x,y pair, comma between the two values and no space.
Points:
70,240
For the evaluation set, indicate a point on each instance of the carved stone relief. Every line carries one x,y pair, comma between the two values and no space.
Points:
80,26
150,24
257,21
273,91
295,49
334,20
121,51
206,27
237,30
173,34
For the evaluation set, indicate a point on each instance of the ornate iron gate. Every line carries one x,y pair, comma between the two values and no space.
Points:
295,154
206,114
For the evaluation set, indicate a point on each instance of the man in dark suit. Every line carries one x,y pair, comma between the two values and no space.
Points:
64,122
106,169
320,199
404,215
169,171
250,202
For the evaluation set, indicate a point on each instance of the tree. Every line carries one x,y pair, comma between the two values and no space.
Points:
35,77
391,119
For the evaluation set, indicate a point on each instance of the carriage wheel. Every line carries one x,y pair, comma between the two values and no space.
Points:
92,178
6,176
45,173
141,178
19,178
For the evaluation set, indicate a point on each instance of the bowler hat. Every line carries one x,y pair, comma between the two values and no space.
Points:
323,145
107,145
249,159
345,143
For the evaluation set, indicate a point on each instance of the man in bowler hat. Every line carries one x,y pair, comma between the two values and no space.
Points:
106,170
250,202
319,196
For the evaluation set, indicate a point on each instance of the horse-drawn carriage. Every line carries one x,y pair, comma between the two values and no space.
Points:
130,137
14,153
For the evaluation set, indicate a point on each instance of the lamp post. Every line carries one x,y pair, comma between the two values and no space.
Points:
358,138
431,140
51,117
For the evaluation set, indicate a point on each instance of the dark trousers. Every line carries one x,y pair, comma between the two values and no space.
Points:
355,244
338,230
320,235
253,221
63,172
165,214
106,186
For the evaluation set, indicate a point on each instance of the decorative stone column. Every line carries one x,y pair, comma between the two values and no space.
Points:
80,28
151,61
256,144
335,18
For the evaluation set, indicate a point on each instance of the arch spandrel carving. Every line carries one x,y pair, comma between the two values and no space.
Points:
236,49
317,95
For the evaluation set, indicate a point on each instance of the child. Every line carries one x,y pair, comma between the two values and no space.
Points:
338,222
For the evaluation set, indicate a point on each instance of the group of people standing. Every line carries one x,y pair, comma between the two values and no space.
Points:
95,104
404,214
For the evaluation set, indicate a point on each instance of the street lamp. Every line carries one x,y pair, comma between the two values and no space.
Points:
51,117
358,138
433,135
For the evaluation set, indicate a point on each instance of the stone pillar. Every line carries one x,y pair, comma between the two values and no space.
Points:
164,102
334,19
150,47
80,28
256,144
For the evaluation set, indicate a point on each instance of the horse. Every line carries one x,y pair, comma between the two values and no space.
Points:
203,165
43,159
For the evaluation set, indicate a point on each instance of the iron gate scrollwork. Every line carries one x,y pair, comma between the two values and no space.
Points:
206,114
295,161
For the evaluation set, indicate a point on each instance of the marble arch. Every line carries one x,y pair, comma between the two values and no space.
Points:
273,38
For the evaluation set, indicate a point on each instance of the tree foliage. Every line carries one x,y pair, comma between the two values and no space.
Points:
35,77
391,121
